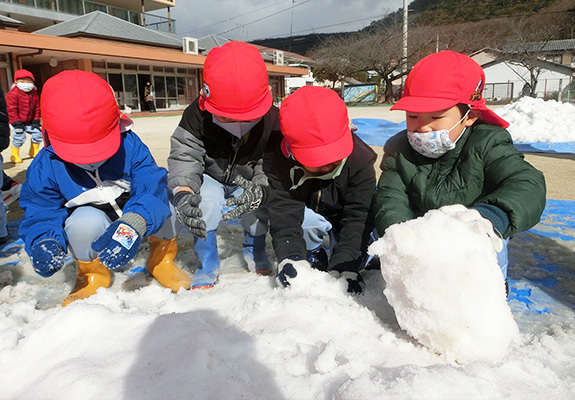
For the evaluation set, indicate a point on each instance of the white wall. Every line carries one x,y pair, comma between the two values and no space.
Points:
505,72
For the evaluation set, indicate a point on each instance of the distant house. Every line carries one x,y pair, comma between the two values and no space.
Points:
506,80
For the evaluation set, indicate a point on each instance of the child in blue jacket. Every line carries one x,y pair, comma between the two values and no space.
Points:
95,189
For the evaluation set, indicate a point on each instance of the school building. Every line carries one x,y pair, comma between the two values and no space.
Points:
120,40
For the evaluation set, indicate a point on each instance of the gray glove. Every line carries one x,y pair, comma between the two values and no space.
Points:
252,197
189,213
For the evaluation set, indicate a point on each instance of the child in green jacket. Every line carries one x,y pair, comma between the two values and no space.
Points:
455,151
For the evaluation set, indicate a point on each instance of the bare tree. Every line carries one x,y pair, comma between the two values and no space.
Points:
525,47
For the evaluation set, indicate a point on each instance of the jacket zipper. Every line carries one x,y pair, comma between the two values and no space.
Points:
230,167
318,200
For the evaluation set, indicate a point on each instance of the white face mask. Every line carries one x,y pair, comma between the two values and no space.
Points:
434,144
25,87
238,129
91,167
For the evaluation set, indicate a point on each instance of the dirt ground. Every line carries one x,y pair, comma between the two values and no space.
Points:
155,130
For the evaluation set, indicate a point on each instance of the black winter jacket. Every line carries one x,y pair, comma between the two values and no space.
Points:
344,201
4,127
198,146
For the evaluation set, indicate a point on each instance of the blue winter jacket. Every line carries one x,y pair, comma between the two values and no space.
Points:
53,188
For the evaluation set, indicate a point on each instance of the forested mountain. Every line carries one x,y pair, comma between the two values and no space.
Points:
483,16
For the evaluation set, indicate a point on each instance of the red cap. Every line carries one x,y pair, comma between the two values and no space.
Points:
441,80
81,117
315,126
236,82
23,73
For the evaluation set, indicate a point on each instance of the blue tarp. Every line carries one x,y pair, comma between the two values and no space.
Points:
375,132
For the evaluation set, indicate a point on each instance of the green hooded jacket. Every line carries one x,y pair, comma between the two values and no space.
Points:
484,167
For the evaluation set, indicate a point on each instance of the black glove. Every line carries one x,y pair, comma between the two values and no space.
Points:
354,280
189,214
36,124
287,270
18,126
252,197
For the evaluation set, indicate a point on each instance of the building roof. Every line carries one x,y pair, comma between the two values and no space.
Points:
551,45
289,57
101,25
7,20
209,42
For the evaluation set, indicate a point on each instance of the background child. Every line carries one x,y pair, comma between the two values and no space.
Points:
24,112
321,183
95,188
455,151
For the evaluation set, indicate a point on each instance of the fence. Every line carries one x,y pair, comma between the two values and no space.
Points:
548,89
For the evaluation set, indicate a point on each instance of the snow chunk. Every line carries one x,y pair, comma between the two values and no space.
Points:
536,120
445,286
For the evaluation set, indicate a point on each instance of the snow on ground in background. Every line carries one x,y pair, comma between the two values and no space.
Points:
448,249
536,120
246,338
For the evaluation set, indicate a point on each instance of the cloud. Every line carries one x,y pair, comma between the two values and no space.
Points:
256,19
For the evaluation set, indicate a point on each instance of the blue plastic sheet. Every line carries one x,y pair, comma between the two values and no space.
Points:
375,132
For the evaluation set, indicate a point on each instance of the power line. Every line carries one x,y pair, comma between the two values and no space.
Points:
312,29
267,16
236,16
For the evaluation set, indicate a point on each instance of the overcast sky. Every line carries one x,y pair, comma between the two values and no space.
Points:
248,20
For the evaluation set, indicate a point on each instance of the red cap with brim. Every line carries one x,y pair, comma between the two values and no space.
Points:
236,82
315,126
81,117
442,80
23,73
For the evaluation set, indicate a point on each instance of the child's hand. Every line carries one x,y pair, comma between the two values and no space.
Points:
47,257
287,270
472,217
252,197
355,282
189,214
121,241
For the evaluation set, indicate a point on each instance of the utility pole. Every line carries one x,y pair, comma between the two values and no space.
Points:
404,42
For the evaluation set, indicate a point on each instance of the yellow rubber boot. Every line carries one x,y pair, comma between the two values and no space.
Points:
91,276
15,155
161,264
34,149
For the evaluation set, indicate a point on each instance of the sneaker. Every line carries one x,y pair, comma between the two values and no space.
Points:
11,195
318,258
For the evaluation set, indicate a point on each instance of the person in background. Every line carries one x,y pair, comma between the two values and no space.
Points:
455,151
149,97
96,190
24,112
4,143
218,153
322,181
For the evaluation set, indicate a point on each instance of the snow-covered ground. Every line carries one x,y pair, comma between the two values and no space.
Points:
247,338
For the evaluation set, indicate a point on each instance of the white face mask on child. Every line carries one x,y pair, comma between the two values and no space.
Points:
238,129
434,144
25,87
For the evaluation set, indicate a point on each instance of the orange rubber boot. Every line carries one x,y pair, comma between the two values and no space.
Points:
34,149
161,264
91,275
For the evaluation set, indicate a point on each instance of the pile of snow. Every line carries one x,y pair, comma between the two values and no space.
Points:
536,120
444,283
